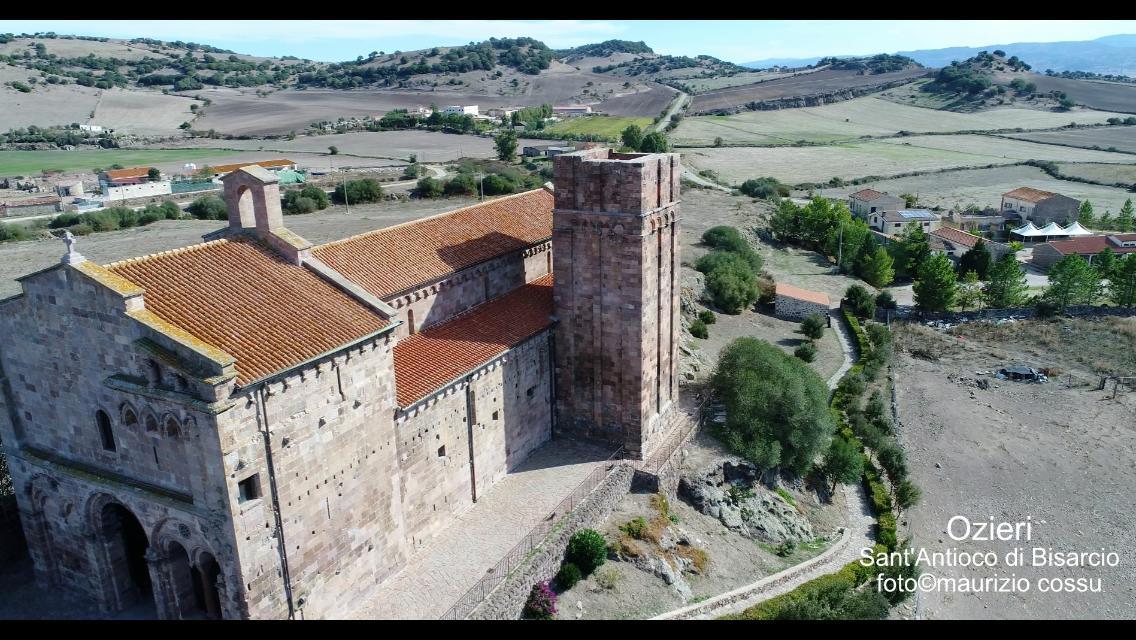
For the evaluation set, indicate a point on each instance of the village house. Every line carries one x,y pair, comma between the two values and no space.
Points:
572,110
988,220
257,426
897,222
865,202
1047,254
30,207
468,110
955,242
1040,207
795,303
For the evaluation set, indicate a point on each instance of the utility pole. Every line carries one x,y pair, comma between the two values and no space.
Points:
481,180
840,247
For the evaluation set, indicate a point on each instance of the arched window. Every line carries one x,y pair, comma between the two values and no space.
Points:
151,422
173,429
105,433
129,418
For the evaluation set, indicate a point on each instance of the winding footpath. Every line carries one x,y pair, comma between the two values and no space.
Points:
857,534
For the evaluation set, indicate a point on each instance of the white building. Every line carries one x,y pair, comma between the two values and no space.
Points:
142,190
571,110
469,110
92,128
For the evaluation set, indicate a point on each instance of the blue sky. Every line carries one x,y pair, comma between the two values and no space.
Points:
734,40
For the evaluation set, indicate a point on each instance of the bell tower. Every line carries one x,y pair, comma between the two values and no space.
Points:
616,295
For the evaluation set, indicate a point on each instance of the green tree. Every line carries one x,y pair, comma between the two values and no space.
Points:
654,142
875,267
358,191
208,208
1072,281
333,150
1085,215
429,188
1106,220
733,289
632,137
506,145
1122,285
813,327
1007,284
1105,263
776,406
1124,220
806,351
977,259
969,291
860,301
718,141
909,252
909,200
907,495
587,549
936,284
154,174
843,462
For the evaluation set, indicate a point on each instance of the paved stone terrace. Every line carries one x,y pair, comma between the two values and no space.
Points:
436,577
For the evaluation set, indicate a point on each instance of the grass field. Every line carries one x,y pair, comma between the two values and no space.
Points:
984,187
1103,173
608,126
810,84
1120,138
893,156
23,163
867,116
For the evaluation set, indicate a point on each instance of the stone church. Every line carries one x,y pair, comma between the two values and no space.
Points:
260,427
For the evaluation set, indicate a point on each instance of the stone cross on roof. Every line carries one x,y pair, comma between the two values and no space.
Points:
72,256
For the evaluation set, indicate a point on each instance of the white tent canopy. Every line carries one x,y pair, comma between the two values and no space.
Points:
1076,229
1051,229
1027,230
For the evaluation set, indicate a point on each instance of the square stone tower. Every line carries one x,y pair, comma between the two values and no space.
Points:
616,295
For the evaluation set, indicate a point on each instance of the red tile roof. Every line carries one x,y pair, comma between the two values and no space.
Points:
957,236
241,297
126,174
31,202
802,294
1092,245
427,361
866,195
1029,194
267,164
391,260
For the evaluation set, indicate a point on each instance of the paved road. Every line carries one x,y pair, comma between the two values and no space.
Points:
680,101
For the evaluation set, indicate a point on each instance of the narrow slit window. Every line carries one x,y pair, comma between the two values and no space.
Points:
105,432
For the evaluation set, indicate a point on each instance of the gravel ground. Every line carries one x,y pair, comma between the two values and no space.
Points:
1060,455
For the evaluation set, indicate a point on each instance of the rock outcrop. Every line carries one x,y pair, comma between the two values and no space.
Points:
731,490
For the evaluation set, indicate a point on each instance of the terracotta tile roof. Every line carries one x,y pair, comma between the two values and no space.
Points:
241,297
427,361
957,236
125,174
1092,245
866,195
802,294
1029,194
394,259
267,164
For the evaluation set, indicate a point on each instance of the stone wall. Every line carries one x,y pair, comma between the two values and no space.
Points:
507,601
439,301
503,407
790,308
615,252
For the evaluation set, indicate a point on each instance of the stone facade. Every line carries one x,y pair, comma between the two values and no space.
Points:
616,259
144,472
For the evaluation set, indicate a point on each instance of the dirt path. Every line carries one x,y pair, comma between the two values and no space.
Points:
845,344
680,100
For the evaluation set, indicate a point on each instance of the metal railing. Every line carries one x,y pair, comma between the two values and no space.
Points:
667,449
532,540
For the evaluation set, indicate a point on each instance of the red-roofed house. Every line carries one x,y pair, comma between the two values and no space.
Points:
1047,254
795,303
277,427
955,242
865,202
1042,207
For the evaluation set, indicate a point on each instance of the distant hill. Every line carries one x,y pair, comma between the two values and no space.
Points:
1115,55
603,49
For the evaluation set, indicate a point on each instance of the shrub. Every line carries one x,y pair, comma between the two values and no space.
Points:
295,204
885,300
209,208
764,188
541,604
726,238
707,316
358,191
429,188
806,351
860,301
609,578
568,576
813,327
732,289
497,185
698,329
635,528
719,259
907,495
587,550
461,184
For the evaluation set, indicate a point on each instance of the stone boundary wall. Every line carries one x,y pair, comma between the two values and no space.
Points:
665,478
1080,311
763,586
507,601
